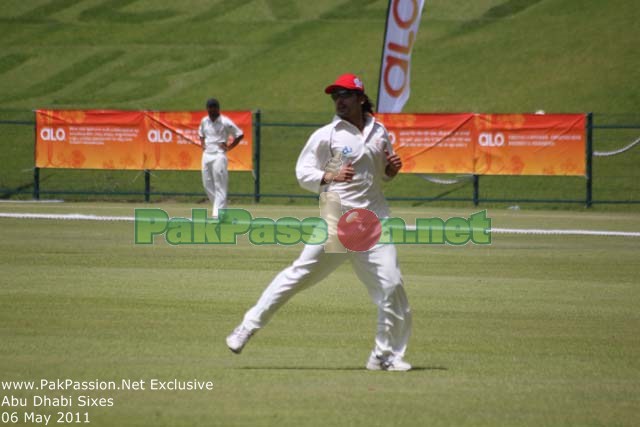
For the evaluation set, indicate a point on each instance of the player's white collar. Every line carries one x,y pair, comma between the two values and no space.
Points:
368,123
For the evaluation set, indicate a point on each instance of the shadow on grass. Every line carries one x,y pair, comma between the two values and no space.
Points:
328,368
7,193
505,10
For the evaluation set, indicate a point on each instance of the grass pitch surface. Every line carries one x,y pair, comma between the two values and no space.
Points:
530,330
485,56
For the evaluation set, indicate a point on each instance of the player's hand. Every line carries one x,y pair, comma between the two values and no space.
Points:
394,164
334,165
344,174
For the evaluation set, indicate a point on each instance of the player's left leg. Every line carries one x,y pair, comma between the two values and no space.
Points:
378,269
221,178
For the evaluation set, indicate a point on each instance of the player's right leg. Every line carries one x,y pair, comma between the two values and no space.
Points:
313,265
208,181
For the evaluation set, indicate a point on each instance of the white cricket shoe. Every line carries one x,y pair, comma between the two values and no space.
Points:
238,339
381,363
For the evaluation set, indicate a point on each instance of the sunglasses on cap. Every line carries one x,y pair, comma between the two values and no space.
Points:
343,93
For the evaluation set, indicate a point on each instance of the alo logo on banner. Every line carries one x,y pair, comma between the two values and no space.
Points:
53,134
155,135
487,139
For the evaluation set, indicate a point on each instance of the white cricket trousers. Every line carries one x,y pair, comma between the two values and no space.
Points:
377,269
215,179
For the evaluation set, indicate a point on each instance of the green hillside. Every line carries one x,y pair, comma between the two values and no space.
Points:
277,55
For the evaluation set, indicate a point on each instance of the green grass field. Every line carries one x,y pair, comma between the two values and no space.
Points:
531,330
276,55
528,331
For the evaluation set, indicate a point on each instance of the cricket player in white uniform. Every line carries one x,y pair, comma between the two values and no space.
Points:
367,159
214,132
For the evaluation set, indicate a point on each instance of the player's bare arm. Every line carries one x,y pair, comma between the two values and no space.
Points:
394,164
233,144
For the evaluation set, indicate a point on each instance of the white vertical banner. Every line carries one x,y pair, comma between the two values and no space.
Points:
403,19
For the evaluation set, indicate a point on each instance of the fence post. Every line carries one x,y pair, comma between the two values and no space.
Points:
476,190
147,185
36,183
256,156
589,165
36,170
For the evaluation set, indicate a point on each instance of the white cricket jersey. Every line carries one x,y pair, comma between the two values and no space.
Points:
216,133
365,150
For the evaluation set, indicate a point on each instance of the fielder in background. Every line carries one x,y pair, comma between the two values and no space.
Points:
215,132
366,156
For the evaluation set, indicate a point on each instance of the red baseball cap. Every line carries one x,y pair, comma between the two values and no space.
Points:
346,81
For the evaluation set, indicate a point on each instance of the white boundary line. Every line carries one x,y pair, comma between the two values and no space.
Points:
535,231
566,232
76,217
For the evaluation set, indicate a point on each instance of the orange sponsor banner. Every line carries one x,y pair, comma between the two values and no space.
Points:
489,144
432,143
530,144
93,139
111,139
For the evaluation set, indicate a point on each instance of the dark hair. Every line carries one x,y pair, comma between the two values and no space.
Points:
367,106
212,102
